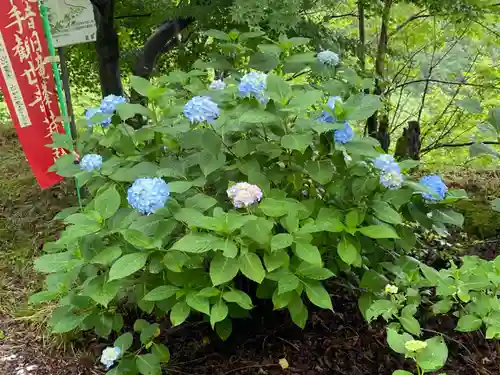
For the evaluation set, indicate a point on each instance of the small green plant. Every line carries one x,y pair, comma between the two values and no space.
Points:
259,178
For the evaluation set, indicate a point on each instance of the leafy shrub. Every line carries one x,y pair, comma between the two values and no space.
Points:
259,181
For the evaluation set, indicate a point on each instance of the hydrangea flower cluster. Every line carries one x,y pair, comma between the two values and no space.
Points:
93,111
244,194
254,84
109,356
328,58
109,103
218,84
391,176
201,108
147,195
344,135
436,185
108,107
327,116
91,162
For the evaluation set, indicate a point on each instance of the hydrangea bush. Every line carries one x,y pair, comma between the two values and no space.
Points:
261,177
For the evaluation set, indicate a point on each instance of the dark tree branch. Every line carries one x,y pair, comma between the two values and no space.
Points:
442,145
416,16
133,16
444,82
161,41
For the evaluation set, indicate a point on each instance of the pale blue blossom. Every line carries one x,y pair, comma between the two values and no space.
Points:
254,84
436,185
110,355
392,179
91,162
94,111
344,135
386,163
218,84
147,195
201,108
109,103
328,58
327,116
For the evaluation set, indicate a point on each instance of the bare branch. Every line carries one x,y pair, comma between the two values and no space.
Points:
442,145
443,82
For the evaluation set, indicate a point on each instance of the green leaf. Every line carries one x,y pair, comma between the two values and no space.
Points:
259,230
442,307
198,303
148,364
250,35
287,282
124,342
218,313
408,321
380,307
360,107
257,116
224,329
373,281
129,110
217,34
127,265
43,296
434,356
223,269
386,213
137,239
179,313
303,100
495,204
281,241
470,105
312,272
251,267
149,333
347,251
308,253
401,372
161,352
56,262
298,311
239,297
494,118
270,49
197,243
448,216
277,88
264,62
100,291
469,323
107,255
275,260
379,231
68,323
179,187
200,202
273,207
299,142
318,295
228,247
397,341
160,293
320,170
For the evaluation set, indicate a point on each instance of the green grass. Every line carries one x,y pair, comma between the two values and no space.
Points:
25,214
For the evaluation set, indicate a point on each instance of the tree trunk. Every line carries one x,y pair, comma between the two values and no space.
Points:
409,144
372,124
107,48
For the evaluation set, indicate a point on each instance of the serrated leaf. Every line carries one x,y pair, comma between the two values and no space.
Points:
223,269
385,212
127,265
251,267
299,142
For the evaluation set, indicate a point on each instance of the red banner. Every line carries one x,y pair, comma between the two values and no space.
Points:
27,83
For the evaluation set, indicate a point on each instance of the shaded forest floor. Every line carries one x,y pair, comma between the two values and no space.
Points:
337,342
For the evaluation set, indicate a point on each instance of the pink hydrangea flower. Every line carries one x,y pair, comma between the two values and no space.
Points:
244,194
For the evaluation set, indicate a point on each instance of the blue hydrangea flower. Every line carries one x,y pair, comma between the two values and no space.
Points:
436,185
91,162
386,163
109,103
93,111
345,135
392,179
218,84
201,108
327,116
254,84
147,195
328,58
109,356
